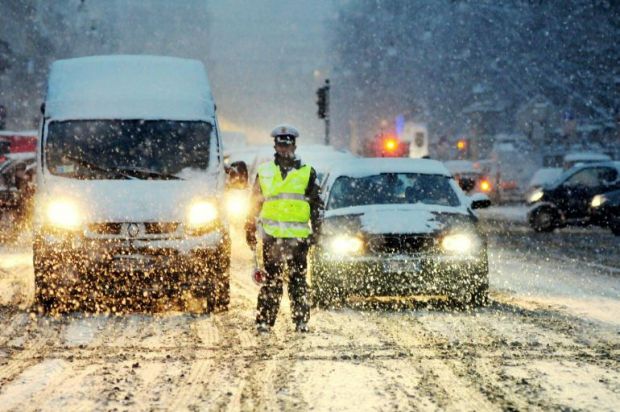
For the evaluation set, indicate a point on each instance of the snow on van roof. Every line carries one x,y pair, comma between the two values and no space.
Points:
129,87
371,166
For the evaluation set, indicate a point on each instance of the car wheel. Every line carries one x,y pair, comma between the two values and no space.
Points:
544,220
326,295
615,228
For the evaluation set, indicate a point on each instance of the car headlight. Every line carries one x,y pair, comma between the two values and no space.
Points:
237,204
598,200
536,196
63,214
346,245
201,214
459,243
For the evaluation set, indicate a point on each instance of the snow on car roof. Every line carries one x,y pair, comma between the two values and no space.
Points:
129,87
460,166
21,156
24,133
371,166
586,156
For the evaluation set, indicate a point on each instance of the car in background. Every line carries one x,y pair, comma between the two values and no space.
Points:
544,176
398,227
469,177
605,210
17,142
573,159
17,177
567,200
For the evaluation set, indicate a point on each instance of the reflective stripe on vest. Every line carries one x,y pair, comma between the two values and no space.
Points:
286,211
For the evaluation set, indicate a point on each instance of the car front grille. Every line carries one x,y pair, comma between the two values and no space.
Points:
396,244
123,229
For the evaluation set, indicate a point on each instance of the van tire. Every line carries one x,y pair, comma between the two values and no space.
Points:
45,299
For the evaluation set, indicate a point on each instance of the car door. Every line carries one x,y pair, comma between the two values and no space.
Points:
579,189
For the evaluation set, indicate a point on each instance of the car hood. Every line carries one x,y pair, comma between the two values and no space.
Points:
129,200
397,219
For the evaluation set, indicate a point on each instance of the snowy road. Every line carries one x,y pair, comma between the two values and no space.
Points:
549,340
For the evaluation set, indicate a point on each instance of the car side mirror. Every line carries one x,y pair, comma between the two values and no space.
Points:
467,183
479,201
237,175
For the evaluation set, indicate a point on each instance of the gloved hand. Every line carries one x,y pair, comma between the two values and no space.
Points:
313,239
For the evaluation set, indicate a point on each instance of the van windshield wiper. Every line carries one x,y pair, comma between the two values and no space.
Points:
93,166
142,173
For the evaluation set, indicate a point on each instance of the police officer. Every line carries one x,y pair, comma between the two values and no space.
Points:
286,205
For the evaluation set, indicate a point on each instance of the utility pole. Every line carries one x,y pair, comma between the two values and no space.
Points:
322,102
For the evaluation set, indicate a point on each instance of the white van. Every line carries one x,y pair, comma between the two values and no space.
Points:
130,180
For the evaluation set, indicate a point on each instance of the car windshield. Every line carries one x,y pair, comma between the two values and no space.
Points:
115,149
392,188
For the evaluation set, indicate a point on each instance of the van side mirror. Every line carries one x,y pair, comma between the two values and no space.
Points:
467,183
237,175
479,201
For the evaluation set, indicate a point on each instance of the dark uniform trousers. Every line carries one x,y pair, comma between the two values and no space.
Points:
278,256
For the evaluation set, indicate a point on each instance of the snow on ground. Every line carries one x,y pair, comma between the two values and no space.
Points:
544,343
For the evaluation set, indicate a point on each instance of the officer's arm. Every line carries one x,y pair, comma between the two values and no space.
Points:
313,194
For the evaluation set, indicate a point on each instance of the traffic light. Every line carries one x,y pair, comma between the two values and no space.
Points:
462,148
322,100
461,145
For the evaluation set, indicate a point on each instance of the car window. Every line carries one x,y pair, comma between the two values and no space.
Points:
592,177
392,188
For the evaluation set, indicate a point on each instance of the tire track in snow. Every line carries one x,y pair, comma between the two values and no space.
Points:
439,382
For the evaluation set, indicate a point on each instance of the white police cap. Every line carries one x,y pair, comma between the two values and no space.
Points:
284,130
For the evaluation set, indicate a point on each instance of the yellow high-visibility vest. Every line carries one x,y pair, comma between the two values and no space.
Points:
286,211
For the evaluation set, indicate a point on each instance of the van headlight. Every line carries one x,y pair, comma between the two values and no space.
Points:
598,200
201,215
536,195
346,245
63,214
460,243
237,204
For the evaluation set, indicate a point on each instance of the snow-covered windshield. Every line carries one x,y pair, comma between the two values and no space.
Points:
392,188
111,149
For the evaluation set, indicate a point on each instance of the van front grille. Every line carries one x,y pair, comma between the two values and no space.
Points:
105,228
160,228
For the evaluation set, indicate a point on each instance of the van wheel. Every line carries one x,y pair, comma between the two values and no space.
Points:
45,299
544,220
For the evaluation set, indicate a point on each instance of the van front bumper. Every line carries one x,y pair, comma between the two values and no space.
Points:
71,257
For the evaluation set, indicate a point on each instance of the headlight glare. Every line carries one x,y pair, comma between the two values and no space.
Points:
536,196
63,214
598,200
201,214
458,243
346,245
237,204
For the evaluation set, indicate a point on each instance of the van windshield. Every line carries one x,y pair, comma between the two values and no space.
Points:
118,149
